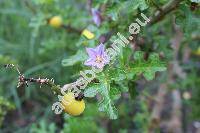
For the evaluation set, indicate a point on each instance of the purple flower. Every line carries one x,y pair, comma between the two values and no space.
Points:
96,15
97,57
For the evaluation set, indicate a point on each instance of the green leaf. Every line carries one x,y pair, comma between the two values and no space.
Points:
108,94
116,74
78,57
106,104
132,89
113,10
149,67
115,93
141,4
91,91
187,20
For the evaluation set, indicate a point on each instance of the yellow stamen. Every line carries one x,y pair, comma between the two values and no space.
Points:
99,59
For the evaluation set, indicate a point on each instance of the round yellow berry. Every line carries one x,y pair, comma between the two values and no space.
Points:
56,21
71,105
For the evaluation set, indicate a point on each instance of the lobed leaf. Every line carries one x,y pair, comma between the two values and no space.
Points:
147,68
92,91
106,104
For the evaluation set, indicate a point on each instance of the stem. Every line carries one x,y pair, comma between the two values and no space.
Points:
22,80
159,15
55,88
72,29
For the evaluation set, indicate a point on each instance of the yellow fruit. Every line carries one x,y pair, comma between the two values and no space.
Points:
55,21
88,34
71,105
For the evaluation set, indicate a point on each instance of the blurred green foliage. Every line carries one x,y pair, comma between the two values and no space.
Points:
40,50
5,106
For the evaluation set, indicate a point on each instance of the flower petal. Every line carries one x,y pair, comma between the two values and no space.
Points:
100,49
91,52
89,62
96,15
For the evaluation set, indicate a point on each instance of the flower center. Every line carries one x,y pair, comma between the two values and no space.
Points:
98,59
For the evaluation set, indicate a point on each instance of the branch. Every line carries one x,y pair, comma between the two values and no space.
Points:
29,6
23,81
175,122
70,29
158,107
160,14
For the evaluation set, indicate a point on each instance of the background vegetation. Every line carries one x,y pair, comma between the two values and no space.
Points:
137,98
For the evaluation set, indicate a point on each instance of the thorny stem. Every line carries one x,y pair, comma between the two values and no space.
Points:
22,81
159,15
